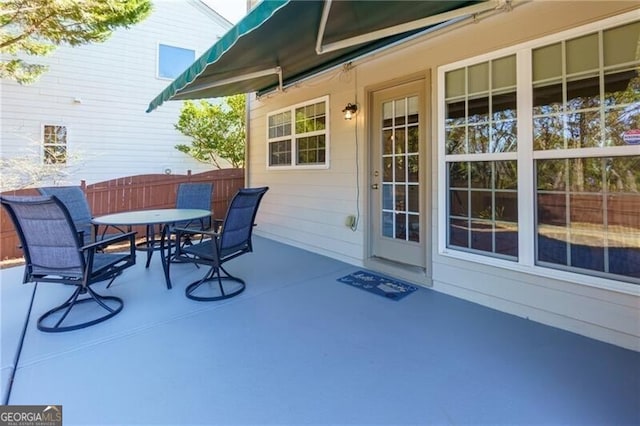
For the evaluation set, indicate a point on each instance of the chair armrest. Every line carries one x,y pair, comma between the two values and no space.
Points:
108,241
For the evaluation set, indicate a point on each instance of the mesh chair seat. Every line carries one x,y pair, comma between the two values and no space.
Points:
101,263
205,250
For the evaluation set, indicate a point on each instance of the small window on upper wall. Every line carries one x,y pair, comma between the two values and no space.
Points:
298,136
172,61
54,144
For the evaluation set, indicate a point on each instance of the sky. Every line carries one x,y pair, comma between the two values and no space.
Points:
233,10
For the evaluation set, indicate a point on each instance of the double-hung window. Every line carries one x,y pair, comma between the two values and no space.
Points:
54,144
298,136
172,60
553,125
481,145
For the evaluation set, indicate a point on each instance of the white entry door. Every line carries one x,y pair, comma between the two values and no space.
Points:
397,187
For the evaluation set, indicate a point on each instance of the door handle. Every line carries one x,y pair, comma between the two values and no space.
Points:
374,186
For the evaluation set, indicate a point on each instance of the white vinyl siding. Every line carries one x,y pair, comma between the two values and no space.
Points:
101,92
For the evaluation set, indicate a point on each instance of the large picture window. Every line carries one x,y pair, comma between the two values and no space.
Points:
586,94
298,136
579,139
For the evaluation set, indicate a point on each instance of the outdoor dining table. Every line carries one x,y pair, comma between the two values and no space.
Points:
164,218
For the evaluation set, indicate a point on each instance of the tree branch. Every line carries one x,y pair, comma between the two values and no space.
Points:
27,32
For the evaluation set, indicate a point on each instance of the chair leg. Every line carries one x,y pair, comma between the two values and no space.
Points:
113,278
215,274
68,304
187,242
74,300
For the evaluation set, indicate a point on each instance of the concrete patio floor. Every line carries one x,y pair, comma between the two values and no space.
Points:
298,347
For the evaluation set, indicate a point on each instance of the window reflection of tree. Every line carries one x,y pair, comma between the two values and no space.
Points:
622,113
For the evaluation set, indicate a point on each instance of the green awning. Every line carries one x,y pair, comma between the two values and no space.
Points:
282,41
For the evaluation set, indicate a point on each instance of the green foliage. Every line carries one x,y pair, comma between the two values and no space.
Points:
216,131
37,27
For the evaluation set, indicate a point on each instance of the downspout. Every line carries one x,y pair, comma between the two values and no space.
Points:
247,116
247,138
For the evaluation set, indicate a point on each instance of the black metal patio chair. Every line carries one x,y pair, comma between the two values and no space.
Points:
233,239
54,252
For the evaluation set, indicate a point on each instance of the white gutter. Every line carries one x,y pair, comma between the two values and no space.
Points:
401,28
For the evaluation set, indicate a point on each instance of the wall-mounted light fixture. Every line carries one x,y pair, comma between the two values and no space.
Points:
349,110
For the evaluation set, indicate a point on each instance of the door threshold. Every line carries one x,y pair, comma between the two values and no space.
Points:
412,273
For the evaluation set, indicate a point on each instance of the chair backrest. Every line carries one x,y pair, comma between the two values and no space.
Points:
48,236
76,203
240,217
194,196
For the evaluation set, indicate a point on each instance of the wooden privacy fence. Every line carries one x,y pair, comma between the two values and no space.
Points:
143,192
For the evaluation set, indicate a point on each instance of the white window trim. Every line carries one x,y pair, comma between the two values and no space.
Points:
158,76
526,156
326,132
42,143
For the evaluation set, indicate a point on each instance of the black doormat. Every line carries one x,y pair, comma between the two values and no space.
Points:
377,284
